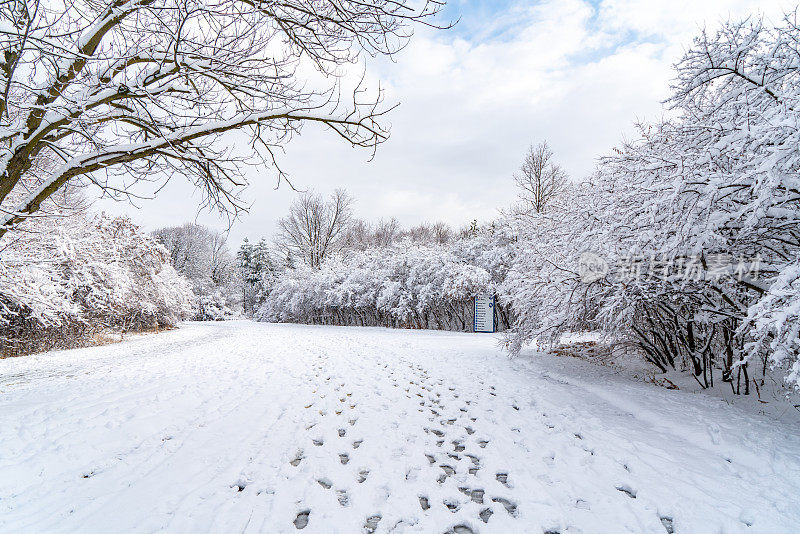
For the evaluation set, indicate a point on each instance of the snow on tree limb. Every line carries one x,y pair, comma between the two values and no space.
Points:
717,182
145,88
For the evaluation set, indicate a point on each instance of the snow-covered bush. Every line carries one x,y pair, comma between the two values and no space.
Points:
697,221
73,276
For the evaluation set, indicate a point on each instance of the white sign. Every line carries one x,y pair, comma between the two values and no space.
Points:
484,314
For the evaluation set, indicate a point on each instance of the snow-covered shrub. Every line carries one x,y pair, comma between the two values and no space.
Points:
707,204
76,275
775,323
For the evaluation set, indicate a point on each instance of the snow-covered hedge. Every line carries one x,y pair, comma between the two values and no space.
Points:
423,286
73,276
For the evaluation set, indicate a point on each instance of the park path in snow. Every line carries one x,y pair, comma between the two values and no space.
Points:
248,427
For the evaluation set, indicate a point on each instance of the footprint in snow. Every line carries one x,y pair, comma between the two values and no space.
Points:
452,506
627,490
423,503
301,521
475,495
371,524
510,507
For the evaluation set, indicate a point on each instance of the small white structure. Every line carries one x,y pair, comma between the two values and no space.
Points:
484,313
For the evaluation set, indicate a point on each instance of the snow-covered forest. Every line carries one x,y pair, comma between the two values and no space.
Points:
167,374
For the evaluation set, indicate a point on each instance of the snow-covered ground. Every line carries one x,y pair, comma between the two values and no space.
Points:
252,427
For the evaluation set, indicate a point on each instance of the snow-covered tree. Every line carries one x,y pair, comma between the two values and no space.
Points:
696,221
257,273
202,256
119,90
361,235
64,280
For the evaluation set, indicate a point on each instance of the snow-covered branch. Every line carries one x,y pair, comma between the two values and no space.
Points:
143,89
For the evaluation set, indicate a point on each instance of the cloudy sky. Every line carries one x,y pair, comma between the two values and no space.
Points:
510,73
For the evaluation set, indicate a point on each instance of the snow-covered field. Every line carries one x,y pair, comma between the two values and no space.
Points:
252,427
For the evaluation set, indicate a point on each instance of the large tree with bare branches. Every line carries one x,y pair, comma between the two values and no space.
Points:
540,179
315,228
113,91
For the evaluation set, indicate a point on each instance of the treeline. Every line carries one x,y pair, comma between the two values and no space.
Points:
326,267
201,255
399,285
